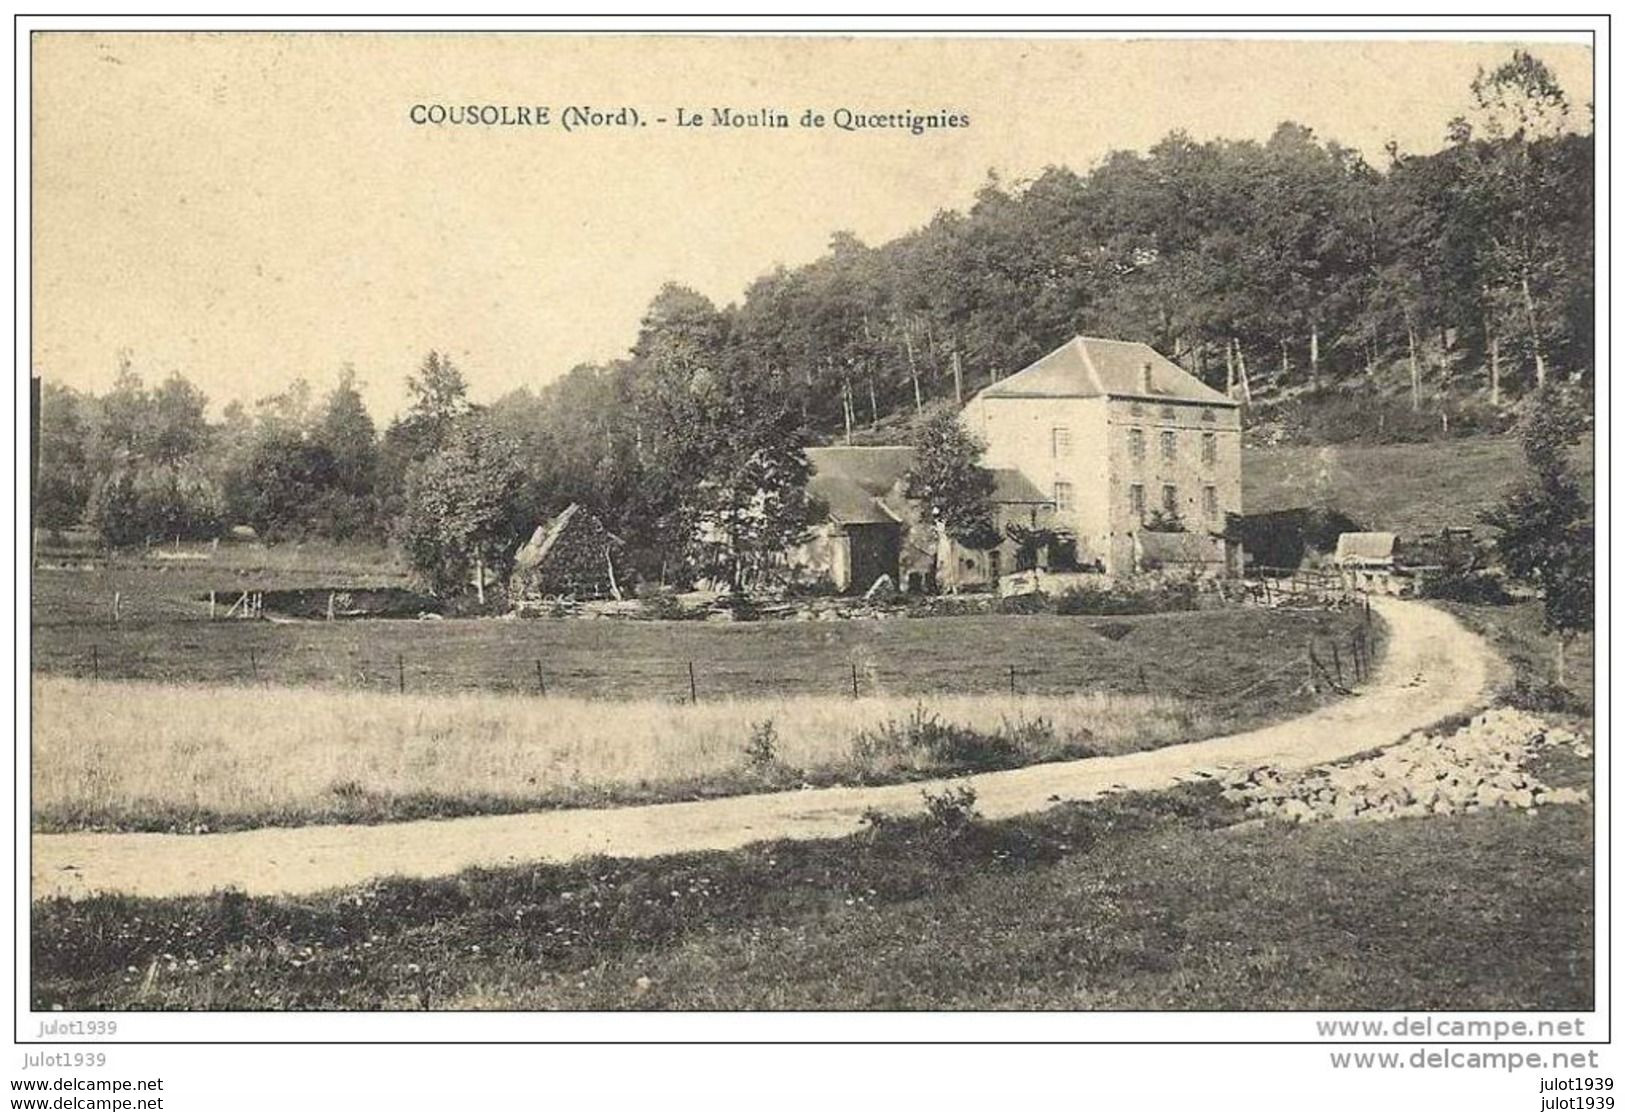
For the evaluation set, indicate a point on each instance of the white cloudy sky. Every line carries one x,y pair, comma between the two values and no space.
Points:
252,209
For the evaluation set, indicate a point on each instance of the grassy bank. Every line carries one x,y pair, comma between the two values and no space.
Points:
1403,488
1136,902
1519,635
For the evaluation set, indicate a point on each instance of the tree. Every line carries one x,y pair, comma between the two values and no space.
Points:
752,503
179,427
439,397
125,426
139,503
64,477
1164,521
682,404
1545,532
286,477
344,430
948,478
1512,187
439,402
463,512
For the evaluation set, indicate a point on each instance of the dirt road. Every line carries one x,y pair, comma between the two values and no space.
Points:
1434,668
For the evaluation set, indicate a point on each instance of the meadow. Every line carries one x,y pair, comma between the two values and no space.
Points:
1408,489
148,757
166,720
165,636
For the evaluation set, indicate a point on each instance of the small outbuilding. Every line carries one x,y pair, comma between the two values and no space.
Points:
571,556
871,528
1367,562
1366,550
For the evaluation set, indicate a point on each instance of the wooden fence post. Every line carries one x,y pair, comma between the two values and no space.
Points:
400,673
211,606
95,665
854,667
253,664
693,691
541,684
1012,679
1337,662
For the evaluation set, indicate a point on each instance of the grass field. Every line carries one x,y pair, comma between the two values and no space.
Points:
167,720
152,757
1181,654
1136,902
1403,488
147,755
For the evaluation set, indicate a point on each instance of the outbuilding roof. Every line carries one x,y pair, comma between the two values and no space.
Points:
1365,548
860,484
1094,367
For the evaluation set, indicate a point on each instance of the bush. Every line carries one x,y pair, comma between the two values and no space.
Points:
949,746
156,502
659,602
951,811
1164,595
821,587
1539,695
1477,587
762,750
742,607
1035,603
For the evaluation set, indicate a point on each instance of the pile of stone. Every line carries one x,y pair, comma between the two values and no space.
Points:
1481,766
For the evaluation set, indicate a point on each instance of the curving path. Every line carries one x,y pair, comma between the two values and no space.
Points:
1434,668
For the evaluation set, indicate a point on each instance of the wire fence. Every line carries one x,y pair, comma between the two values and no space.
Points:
1093,662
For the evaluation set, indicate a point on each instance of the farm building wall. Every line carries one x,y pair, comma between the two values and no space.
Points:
1157,444
1060,445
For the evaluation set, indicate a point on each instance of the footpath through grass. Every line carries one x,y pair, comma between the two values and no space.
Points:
1148,901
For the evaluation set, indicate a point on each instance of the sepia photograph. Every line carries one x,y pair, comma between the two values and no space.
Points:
800,523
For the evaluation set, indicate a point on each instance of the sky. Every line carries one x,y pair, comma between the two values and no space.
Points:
248,209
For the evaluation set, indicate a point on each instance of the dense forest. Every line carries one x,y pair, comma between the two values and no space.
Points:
1292,273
